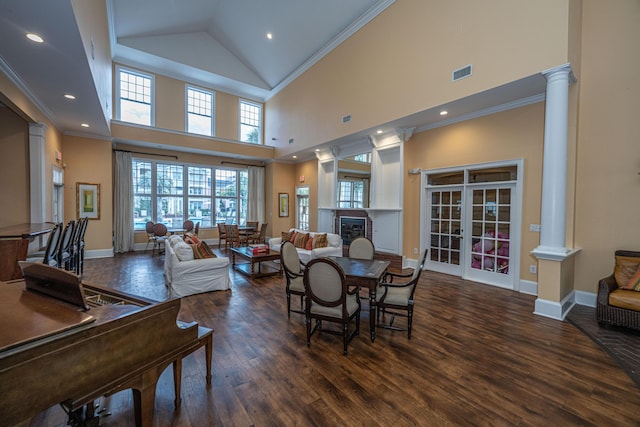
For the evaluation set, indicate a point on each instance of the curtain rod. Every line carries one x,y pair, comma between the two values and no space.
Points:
243,164
148,154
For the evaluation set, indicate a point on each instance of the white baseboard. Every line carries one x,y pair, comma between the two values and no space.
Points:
98,253
528,287
588,299
553,309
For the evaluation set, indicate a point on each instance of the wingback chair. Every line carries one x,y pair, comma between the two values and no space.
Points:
396,298
328,298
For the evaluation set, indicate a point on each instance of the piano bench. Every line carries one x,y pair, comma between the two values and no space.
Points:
205,339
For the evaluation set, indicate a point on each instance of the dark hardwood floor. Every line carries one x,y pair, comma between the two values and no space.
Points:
477,357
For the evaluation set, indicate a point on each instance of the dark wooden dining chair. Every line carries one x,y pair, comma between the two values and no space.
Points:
260,236
151,236
394,299
53,243
187,226
232,235
328,298
294,275
83,223
160,231
361,248
64,250
222,234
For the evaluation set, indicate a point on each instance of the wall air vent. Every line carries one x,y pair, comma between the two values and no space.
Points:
346,119
461,73
290,140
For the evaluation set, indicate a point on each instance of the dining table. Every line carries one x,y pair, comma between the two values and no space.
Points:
364,273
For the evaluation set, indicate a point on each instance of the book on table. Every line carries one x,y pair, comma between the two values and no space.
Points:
259,249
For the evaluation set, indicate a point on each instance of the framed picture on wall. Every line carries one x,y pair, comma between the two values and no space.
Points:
283,199
88,200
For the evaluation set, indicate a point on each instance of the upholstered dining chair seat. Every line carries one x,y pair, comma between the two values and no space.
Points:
352,307
395,295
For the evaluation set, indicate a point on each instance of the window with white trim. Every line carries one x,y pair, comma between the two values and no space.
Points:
250,122
350,194
135,97
159,195
200,109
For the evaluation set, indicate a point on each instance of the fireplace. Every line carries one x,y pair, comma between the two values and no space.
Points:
352,227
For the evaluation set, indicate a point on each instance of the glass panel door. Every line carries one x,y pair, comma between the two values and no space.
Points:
445,229
488,250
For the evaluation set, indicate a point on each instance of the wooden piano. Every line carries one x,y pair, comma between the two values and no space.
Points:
51,352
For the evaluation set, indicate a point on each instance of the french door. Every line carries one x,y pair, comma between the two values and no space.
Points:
445,229
488,246
472,217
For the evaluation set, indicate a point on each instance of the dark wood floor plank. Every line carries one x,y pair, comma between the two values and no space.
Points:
478,356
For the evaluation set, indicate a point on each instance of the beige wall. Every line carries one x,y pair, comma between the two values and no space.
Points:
23,106
14,173
280,178
401,63
91,17
89,161
608,156
508,135
170,114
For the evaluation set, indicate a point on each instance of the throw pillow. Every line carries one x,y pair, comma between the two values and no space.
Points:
625,268
309,245
320,241
183,251
286,236
191,238
293,237
300,240
202,250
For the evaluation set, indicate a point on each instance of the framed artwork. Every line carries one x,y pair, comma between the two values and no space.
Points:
88,200
283,199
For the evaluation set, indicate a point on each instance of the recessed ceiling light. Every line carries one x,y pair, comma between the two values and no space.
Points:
69,96
317,149
35,38
444,112
295,157
379,131
84,125
269,36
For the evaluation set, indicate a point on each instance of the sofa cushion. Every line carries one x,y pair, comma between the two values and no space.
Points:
320,240
300,241
286,236
309,244
634,283
183,250
191,238
623,298
626,267
202,250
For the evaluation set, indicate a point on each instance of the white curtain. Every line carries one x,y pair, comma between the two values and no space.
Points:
255,198
123,200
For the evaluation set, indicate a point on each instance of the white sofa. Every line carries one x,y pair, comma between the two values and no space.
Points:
334,246
185,275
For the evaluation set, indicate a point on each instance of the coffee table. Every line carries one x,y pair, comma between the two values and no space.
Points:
249,268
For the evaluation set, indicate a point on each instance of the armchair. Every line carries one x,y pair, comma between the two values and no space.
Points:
616,306
398,297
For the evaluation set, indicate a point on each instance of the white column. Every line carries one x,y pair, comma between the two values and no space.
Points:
554,169
37,172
